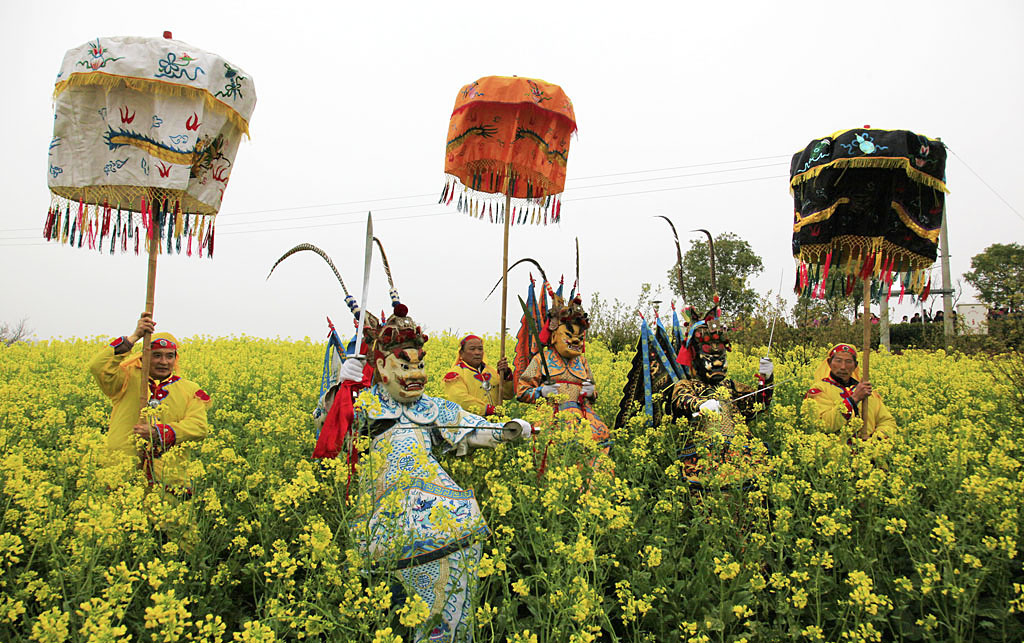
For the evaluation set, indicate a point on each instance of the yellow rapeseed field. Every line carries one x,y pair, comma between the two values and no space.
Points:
914,538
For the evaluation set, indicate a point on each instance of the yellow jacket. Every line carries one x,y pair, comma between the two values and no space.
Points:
476,391
181,413
833,407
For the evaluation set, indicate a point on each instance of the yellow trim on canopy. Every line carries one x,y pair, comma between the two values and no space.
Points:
820,215
854,248
931,235
889,162
129,197
111,81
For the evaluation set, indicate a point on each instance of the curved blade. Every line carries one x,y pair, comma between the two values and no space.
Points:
523,260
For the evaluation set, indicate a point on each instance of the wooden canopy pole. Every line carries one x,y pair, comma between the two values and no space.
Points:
147,339
883,319
504,257
867,342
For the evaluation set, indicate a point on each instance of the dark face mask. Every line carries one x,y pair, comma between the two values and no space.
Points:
711,366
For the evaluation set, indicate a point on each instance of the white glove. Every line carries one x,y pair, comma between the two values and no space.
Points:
711,405
351,370
547,390
766,368
587,390
523,428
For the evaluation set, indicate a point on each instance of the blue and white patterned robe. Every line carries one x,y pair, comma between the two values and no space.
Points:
414,499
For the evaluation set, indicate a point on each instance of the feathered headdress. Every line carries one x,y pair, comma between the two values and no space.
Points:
372,322
399,332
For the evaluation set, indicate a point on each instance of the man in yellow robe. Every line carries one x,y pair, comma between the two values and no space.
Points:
837,395
474,385
180,404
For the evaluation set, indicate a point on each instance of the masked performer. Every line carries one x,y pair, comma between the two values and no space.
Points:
418,522
560,367
180,404
703,356
474,385
837,395
422,525
688,366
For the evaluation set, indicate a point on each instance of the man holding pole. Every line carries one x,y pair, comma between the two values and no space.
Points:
179,405
474,385
837,395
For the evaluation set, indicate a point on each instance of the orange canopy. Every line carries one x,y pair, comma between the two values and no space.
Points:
510,127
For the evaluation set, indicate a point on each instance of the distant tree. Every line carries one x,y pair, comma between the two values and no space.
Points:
998,274
808,311
10,334
617,324
735,263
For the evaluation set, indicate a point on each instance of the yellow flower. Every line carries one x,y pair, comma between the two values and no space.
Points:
726,568
799,598
386,636
51,626
896,525
520,587
485,614
652,555
486,566
414,612
523,637
367,403
583,550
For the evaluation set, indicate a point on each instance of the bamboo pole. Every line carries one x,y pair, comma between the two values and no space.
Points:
883,323
867,342
147,349
504,258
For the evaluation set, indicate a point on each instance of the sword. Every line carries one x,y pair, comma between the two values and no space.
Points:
367,256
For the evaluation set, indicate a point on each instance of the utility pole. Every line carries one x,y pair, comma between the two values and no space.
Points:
947,291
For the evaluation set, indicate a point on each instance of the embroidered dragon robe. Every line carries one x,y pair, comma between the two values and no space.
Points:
422,524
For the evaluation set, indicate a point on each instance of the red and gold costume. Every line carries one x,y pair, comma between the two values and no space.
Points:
560,363
569,375
833,405
180,404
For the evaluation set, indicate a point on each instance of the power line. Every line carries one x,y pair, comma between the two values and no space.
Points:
359,212
682,187
685,167
420,205
1013,209
432,194
438,214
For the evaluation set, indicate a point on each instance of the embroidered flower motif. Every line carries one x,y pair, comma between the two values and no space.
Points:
201,394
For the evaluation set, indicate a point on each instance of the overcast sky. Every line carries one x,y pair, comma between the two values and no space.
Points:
685,109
